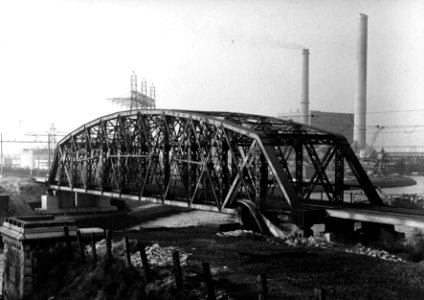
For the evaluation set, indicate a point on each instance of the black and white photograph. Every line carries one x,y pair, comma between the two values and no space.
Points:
214,150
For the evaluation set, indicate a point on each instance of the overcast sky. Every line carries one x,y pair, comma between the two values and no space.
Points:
61,60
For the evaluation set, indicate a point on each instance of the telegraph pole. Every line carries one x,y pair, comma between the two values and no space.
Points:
1,154
48,145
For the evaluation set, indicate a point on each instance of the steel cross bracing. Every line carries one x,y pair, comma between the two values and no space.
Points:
205,158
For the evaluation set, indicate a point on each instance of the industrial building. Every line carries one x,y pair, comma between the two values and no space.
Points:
352,126
340,123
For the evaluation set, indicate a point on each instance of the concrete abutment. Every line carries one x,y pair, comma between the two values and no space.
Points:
350,231
69,202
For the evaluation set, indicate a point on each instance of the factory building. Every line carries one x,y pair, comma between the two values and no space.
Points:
340,123
352,126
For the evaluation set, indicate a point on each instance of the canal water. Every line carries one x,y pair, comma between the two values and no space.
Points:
417,189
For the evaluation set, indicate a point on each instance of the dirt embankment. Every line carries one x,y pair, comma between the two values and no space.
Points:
22,192
235,261
294,269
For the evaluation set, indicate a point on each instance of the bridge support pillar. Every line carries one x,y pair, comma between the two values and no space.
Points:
384,233
68,202
344,230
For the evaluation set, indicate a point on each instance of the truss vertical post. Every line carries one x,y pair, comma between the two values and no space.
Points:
298,147
264,177
339,175
193,167
166,151
257,176
186,166
225,171
261,177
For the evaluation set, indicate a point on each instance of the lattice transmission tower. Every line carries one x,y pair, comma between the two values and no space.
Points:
138,100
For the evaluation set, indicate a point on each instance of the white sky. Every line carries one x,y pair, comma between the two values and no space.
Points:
61,60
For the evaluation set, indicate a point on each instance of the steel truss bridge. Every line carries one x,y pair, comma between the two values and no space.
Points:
207,160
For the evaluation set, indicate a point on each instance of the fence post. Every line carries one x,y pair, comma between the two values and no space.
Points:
68,242
127,251
109,244
319,294
262,287
208,280
177,270
142,250
81,246
93,247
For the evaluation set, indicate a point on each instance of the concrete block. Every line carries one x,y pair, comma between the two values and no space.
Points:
357,226
330,237
299,234
319,235
318,228
49,202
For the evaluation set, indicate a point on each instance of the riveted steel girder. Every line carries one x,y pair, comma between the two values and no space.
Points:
204,158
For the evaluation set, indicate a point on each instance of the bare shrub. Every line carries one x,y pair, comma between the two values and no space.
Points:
415,247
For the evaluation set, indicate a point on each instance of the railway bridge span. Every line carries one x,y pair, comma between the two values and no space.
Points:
201,159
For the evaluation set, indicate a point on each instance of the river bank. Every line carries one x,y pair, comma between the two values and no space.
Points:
417,189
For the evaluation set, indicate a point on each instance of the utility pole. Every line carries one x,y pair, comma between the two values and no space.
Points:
1,154
48,145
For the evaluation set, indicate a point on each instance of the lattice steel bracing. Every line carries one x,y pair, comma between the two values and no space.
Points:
205,158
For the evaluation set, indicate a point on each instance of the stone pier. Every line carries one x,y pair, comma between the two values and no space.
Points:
25,240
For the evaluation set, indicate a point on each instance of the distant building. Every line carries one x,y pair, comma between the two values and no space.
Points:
34,159
340,123
12,161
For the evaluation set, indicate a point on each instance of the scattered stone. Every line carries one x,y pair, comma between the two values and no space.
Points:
381,254
162,256
156,255
238,232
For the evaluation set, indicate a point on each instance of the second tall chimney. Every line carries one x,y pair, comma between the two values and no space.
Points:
304,102
360,105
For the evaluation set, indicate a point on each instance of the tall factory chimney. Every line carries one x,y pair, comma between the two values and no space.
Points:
360,106
304,103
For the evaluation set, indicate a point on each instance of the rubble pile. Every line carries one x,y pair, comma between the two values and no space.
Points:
238,232
317,242
156,255
159,256
382,254
308,242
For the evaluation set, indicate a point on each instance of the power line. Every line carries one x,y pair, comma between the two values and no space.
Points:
319,113
26,142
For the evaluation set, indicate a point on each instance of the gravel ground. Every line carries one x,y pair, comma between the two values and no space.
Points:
180,217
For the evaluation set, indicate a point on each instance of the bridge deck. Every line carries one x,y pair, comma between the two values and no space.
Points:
370,213
381,215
